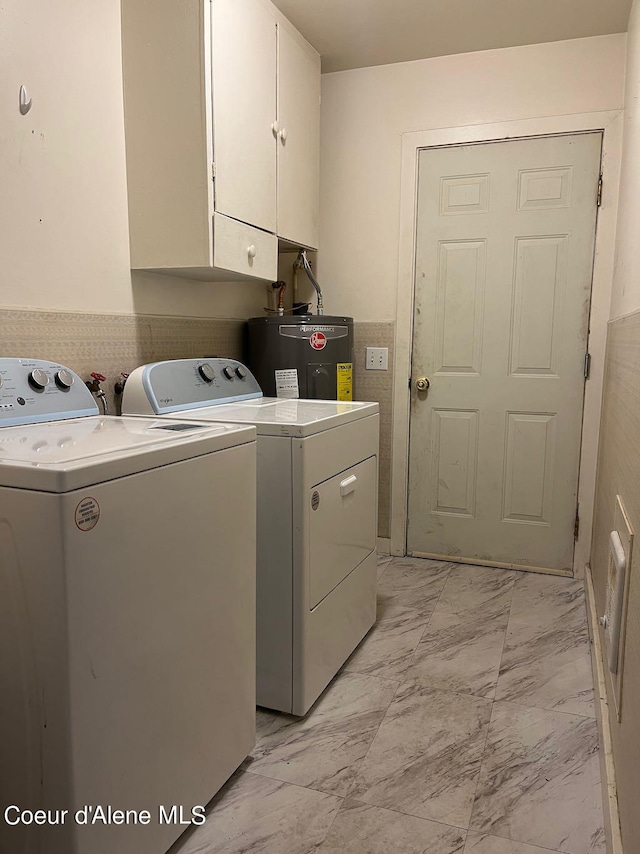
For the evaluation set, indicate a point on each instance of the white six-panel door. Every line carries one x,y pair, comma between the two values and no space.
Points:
504,256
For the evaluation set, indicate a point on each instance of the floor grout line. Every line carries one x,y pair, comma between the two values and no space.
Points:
517,841
395,693
506,633
426,625
545,709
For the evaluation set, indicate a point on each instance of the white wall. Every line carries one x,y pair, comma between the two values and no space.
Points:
63,212
626,283
365,112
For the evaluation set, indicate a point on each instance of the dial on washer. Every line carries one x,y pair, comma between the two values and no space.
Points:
38,379
206,372
64,379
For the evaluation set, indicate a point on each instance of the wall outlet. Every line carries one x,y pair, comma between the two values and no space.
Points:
377,359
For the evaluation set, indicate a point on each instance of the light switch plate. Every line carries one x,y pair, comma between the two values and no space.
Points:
377,359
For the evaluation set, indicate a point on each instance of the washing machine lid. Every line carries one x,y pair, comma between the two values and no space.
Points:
60,456
297,418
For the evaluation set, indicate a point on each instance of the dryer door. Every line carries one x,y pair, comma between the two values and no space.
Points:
342,526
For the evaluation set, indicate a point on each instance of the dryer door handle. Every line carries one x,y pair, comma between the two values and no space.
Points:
348,484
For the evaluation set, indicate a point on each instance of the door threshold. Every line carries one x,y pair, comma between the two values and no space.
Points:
544,570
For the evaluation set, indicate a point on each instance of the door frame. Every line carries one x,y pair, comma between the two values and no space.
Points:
611,124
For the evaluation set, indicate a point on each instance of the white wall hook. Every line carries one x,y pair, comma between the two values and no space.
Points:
25,101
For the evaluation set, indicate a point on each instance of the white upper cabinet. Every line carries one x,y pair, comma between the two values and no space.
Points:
165,67
244,110
298,138
222,136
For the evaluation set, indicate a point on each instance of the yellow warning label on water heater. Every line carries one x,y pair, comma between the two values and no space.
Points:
344,380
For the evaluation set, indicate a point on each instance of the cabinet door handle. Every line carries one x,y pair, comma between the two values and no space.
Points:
251,251
348,485
283,135
275,127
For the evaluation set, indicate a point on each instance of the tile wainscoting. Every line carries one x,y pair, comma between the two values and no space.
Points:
111,343
619,474
378,386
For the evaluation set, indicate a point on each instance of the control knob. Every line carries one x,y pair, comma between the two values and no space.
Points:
38,379
240,371
206,372
228,372
64,379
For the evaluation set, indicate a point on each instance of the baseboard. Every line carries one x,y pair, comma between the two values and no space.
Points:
384,546
471,561
607,767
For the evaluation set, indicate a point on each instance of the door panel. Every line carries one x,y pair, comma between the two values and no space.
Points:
529,465
504,257
455,444
538,292
460,289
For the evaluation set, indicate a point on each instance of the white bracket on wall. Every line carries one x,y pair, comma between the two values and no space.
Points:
613,621
615,595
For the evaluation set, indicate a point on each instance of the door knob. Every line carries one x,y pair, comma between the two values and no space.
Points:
422,384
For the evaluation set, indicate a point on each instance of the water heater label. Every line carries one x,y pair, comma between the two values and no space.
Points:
287,383
87,514
318,340
344,380
309,331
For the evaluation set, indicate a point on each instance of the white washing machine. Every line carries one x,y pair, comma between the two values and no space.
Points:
127,616
317,516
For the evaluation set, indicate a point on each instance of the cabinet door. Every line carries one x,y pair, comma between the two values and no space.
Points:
244,109
165,64
298,139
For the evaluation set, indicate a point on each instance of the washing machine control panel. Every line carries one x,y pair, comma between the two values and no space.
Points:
181,384
34,390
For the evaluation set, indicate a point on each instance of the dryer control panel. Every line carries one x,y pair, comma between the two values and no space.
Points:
174,386
34,390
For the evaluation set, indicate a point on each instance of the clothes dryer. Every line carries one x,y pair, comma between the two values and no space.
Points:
317,516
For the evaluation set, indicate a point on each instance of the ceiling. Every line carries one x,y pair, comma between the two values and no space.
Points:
360,33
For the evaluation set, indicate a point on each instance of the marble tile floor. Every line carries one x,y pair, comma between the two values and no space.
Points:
462,724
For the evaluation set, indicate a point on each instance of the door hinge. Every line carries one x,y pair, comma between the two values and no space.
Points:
409,383
599,196
213,171
576,526
587,365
